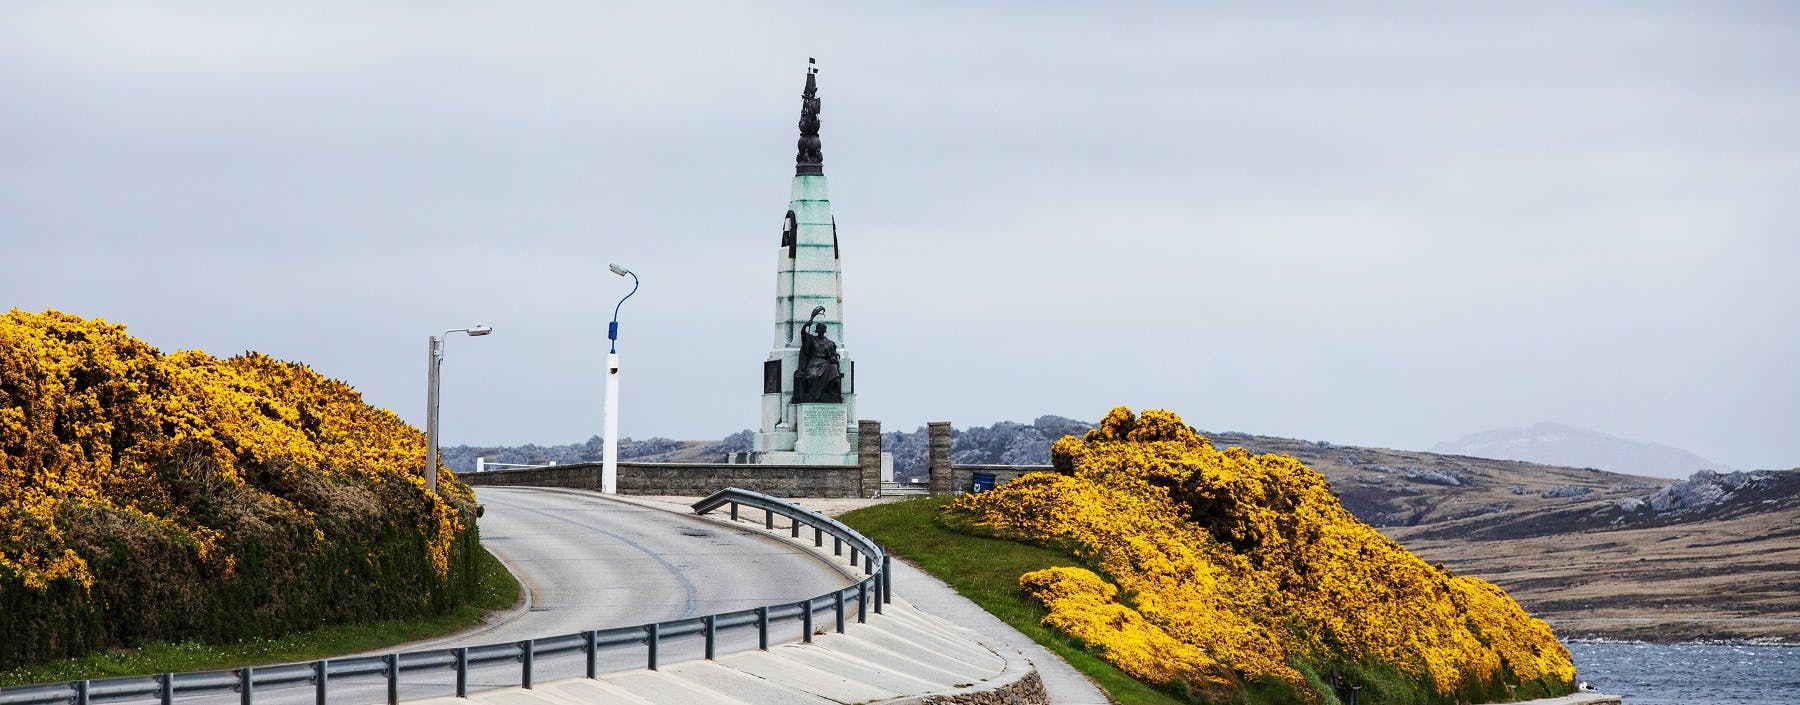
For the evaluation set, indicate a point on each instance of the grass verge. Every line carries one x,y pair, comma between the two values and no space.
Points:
497,589
987,570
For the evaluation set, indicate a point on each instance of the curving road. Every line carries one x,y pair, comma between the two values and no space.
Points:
593,563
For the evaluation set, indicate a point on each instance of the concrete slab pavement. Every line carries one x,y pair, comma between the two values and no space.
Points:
1065,685
836,669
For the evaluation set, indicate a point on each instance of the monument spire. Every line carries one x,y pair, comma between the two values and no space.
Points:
809,378
811,158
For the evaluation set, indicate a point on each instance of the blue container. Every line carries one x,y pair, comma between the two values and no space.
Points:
983,481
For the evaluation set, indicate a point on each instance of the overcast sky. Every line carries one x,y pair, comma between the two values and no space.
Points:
1381,225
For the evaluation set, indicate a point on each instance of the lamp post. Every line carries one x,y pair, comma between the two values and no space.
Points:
609,467
431,399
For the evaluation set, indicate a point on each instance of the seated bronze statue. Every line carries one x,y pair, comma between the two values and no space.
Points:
818,378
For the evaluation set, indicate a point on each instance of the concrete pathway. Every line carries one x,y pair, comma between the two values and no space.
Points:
1065,685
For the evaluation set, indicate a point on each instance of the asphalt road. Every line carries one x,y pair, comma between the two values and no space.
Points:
594,563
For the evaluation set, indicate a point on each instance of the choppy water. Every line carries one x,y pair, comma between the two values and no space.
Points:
1691,674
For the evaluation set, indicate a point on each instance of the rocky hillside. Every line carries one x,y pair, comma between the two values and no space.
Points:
1714,556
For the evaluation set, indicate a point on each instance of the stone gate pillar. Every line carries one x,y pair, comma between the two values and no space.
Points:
937,456
868,456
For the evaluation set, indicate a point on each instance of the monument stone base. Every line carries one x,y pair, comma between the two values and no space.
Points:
786,457
823,429
821,437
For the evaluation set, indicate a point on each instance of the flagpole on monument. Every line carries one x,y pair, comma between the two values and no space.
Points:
609,468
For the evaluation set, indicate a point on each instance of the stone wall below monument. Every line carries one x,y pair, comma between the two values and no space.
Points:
686,479
962,476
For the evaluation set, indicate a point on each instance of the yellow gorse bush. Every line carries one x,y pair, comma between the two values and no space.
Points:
91,416
1241,567
1085,606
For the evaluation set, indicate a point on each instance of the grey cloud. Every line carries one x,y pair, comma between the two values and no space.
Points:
1389,224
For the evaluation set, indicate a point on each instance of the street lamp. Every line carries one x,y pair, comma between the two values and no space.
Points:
431,399
609,467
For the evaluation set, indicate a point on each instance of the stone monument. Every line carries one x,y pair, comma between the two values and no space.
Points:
809,381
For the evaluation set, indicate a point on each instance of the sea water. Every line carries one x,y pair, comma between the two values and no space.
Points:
1691,674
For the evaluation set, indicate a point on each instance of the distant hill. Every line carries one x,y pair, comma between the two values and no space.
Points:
650,450
1556,444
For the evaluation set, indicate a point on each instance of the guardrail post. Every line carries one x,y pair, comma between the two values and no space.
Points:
837,546
877,588
734,511
81,693
762,629
462,672
654,637
887,578
393,677
868,564
806,621
862,602
321,682
853,556
712,635
768,518
794,524
246,686
526,657
168,689
591,647
838,598
818,537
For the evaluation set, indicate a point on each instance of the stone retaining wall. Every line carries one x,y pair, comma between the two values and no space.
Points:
962,476
862,480
688,479
1028,690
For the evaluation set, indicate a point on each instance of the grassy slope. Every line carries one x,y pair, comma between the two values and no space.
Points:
987,570
497,590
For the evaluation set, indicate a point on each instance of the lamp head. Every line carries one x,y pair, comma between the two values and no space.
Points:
480,330
616,269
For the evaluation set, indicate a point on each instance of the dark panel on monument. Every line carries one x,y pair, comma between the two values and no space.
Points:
772,377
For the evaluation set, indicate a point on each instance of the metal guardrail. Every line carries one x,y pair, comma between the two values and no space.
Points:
876,589
484,465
